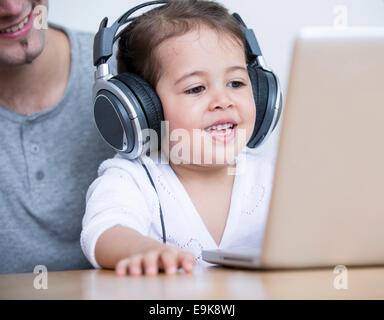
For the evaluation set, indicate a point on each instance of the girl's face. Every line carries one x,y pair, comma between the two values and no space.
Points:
207,97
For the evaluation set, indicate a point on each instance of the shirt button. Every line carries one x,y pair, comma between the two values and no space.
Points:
35,148
40,175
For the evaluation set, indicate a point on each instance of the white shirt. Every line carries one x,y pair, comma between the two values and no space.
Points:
123,195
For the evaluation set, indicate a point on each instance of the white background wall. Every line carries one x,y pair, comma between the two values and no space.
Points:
275,22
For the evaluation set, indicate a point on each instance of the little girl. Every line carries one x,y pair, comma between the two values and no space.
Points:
192,53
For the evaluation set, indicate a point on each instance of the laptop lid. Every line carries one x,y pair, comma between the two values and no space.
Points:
327,204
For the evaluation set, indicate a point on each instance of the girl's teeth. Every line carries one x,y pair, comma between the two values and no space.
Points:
220,130
221,127
223,133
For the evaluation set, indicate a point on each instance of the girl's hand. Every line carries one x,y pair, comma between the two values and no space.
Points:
151,260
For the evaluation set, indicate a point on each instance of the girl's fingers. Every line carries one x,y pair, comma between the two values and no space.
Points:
150,262
168,260
121,267
136,265
186,261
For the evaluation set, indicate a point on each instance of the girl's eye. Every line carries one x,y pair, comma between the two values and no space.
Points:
236,84
194,90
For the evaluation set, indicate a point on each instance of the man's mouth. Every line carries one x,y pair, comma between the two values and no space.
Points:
16,27
19,29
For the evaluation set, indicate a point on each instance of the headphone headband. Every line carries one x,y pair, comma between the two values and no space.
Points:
252,45
105,37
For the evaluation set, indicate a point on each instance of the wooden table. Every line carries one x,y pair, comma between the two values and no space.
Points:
203,283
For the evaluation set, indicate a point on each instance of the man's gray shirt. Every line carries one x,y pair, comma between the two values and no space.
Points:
47,161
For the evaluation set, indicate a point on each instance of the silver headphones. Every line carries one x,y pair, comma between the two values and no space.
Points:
125,104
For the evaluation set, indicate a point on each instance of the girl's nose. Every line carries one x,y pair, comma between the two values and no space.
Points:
219,100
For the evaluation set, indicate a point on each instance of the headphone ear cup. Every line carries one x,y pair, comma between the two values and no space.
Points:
147,98
260,89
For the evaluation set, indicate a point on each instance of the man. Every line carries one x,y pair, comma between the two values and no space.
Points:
49,147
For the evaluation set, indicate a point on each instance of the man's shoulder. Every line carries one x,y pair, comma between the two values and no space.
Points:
82,46
81,43
85,37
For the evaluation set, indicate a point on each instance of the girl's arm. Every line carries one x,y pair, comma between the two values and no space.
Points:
127,251
119,212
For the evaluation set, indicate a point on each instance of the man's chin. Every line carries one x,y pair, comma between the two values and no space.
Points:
24,52
18,61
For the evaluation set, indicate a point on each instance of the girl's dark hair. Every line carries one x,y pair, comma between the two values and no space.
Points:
138,42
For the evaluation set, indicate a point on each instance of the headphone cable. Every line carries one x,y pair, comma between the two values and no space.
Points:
161,212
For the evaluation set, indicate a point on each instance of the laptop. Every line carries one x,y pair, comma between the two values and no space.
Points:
327,202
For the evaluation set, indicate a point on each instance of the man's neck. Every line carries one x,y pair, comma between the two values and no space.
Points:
39,85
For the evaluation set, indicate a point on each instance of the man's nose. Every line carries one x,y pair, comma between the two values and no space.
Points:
11,8
220,99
